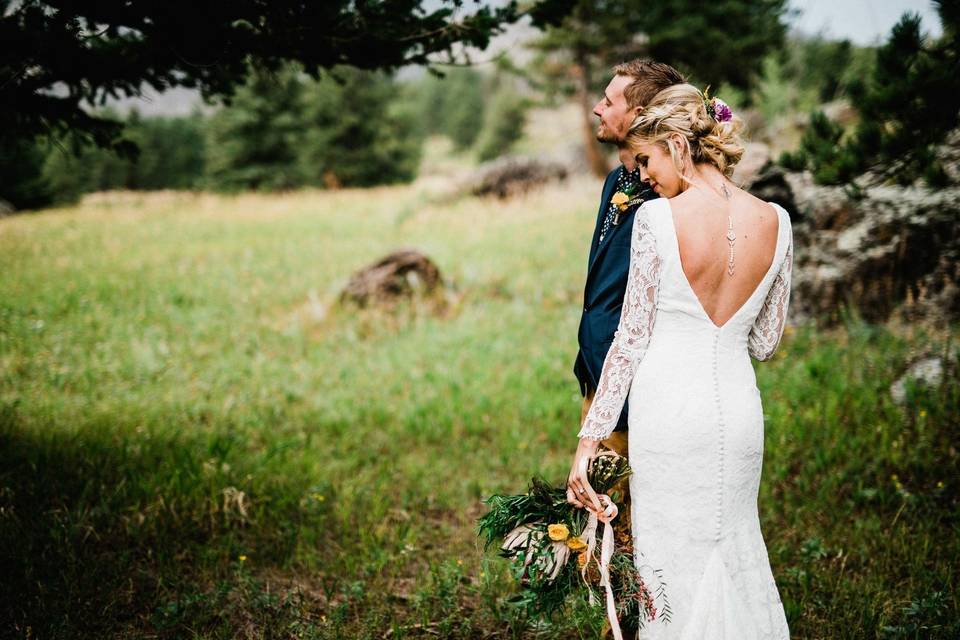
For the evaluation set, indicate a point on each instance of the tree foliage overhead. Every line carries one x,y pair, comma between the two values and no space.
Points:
91,50
714,43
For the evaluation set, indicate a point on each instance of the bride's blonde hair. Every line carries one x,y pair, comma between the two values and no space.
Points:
681,109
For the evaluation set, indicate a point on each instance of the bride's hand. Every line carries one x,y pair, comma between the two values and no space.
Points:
579,492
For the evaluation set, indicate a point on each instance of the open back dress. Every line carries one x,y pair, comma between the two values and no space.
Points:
695,437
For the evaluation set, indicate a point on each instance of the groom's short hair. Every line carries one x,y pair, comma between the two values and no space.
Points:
649,79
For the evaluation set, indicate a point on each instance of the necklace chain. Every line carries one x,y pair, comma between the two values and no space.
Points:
731,236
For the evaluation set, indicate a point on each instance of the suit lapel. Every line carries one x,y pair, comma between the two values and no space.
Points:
604,203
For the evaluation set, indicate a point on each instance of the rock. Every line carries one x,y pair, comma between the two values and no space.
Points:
753,121
888,251
927,372
948,154
841,112
891,251
513,175
6,209
402,274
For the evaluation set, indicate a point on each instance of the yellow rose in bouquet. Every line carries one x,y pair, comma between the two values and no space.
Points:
558,532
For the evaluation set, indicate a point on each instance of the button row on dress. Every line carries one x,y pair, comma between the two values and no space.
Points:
720,444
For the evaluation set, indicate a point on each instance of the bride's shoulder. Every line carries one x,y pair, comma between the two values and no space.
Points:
778,208
652,213
761,207
654,208
782,214
653,220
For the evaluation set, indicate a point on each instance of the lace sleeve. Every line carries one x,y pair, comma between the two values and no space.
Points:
768,327
632,335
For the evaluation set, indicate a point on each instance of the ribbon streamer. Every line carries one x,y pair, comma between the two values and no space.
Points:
605,516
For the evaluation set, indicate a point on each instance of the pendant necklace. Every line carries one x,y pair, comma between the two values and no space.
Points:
731,236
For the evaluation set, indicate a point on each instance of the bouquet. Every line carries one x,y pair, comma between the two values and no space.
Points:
553,552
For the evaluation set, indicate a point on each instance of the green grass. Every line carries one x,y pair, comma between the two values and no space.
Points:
198,442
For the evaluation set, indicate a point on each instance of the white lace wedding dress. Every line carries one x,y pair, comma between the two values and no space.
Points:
695,437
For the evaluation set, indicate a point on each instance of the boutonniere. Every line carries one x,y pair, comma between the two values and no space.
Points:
623,202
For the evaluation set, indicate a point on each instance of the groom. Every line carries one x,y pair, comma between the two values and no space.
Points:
634,84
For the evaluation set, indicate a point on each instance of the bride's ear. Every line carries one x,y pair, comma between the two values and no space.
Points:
681,143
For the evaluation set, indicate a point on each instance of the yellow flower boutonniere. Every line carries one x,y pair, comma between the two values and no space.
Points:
620,199
623,201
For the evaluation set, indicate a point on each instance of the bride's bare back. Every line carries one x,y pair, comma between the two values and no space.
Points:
700,220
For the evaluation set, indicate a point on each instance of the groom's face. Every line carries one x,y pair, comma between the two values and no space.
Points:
615,116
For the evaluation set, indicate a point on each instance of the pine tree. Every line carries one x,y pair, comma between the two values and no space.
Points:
464,106
715,42
172,151
452,105
254,141
906,107
356,132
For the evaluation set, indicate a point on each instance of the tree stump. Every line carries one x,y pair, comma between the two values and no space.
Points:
515,175
402,274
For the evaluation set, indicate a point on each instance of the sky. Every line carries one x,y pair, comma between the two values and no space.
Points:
861,21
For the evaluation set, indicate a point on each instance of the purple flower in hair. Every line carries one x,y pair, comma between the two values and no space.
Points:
721,112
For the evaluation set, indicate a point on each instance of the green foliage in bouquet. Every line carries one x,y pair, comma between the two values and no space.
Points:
546,503
542,505
542,536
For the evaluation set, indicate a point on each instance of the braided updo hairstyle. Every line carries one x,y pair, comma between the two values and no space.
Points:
680,109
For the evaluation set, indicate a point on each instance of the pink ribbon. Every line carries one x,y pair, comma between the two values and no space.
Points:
606,545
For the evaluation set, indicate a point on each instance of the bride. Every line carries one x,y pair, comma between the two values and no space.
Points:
708,287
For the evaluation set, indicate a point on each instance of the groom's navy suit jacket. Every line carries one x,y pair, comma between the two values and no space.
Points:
603,293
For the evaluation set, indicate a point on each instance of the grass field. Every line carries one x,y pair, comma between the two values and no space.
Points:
198,442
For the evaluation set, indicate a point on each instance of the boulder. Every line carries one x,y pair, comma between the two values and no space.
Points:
949,156
887,250
405,273
926,372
